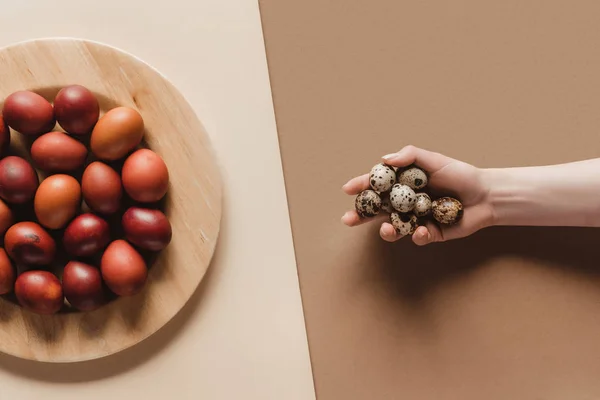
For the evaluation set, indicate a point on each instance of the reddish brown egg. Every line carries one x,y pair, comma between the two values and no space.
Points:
29,113
147,228
145,176
57,200
117,133
4,136
7,273
76,109
39,292
123,269
82,286
58,152
28,243
6,217
86,235
18,180
102,189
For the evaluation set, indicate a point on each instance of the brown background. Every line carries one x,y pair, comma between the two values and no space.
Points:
507,314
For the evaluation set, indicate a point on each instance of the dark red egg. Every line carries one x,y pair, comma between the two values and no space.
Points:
76,109
4,136
28,243
28,113
86,235
7,273
147,228
39,292
82,286
18,180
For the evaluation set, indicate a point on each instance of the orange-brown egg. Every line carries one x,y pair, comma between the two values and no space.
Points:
56,151
145,176
39,292
117,133
57,200
123,269
6,217
101,187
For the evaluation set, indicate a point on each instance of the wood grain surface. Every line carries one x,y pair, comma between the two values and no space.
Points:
193,203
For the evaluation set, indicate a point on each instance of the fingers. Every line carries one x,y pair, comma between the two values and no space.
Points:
388,233
423,234
474,219
427,234
425,159
351,218
428,160
357,185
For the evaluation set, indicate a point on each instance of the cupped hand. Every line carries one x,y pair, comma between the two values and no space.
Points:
447,176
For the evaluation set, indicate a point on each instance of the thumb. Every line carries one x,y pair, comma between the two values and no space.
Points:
426,159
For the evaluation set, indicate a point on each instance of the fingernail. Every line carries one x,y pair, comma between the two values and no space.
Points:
426,236
388,157
345,217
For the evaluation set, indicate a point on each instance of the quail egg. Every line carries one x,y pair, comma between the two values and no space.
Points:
447,210
413,177
403,198
423,205
386,204
367,203
404,224
382,177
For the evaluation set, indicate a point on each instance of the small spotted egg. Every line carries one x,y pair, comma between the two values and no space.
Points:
382,178
367,203
447,210
413,177
423,205
404,224
386,204
403,198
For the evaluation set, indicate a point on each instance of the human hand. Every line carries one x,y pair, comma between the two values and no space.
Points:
447,176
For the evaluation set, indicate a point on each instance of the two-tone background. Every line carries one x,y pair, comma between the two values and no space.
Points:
509,313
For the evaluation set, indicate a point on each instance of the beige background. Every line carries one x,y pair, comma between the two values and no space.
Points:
242,336
507,314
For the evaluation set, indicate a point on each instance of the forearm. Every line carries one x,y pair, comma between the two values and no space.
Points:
556,195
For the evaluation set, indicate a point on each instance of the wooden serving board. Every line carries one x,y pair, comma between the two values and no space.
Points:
193,204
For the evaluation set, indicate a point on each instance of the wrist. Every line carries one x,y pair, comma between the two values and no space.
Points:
507,196
557,195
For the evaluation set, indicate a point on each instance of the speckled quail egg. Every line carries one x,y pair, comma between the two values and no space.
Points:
403,198
413,177
367,203
423,205
404,224
386,204
447,210
382,177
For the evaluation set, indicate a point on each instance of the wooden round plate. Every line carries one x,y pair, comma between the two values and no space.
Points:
193,204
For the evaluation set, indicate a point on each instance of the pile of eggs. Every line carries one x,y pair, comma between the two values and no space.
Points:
80,209
401,192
